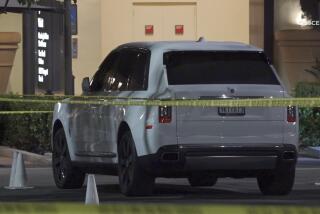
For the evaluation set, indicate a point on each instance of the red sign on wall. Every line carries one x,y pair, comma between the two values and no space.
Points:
149,29
179,29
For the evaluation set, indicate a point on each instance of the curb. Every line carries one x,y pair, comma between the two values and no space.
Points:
31,159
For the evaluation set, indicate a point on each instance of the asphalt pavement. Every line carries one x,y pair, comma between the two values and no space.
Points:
226,191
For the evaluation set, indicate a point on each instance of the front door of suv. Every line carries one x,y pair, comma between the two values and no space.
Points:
127,79
89,126
123,74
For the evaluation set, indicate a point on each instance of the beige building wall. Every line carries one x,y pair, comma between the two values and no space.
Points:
226,20
89,41
296,51
11,22
164,18
105,24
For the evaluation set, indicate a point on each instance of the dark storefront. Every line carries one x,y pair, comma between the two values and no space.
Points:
47,63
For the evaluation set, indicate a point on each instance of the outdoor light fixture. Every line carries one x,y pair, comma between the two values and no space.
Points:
301,19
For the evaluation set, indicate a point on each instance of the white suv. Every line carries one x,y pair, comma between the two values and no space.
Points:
140,143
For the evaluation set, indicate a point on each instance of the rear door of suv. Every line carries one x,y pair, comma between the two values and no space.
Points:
225,75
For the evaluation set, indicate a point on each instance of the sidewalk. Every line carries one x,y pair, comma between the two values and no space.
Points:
31,160
308,162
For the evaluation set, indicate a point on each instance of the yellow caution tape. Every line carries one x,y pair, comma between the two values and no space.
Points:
276,102
152,209
62,97
24,112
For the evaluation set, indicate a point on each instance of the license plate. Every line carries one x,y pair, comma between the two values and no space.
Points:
231,111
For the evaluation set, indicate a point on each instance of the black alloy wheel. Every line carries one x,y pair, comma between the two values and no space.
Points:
132,178
277,182
65,175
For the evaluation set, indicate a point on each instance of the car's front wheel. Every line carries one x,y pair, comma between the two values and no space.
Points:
133,180
277,182
65,175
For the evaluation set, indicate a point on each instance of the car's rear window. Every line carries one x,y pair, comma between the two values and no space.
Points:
203,67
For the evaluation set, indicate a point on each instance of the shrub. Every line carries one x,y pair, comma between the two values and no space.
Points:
30,132
309,117
307,90
315,70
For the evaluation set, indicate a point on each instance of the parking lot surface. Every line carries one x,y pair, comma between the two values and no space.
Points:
226,191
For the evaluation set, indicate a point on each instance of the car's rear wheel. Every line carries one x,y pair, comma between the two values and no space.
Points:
202,180
65,175
133,180
278,182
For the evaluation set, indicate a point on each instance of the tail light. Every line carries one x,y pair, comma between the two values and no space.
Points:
165,114
291,114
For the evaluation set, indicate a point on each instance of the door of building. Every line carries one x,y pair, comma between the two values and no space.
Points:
156,22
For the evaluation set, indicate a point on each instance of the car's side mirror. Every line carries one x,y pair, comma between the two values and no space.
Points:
86,85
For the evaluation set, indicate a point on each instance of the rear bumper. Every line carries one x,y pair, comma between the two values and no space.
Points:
181,160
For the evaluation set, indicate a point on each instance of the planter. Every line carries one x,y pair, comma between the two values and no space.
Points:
8,46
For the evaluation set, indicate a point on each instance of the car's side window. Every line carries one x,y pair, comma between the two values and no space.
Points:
97,81
139,76
132,73
111,70
125,70
103,79
121,76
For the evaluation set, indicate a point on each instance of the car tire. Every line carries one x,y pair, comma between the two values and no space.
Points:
133,180
202,180
278,182
65,175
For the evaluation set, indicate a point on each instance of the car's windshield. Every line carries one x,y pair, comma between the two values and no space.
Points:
203,67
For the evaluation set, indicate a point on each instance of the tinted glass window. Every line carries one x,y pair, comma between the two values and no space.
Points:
104,78
184,68
139,76
132,73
